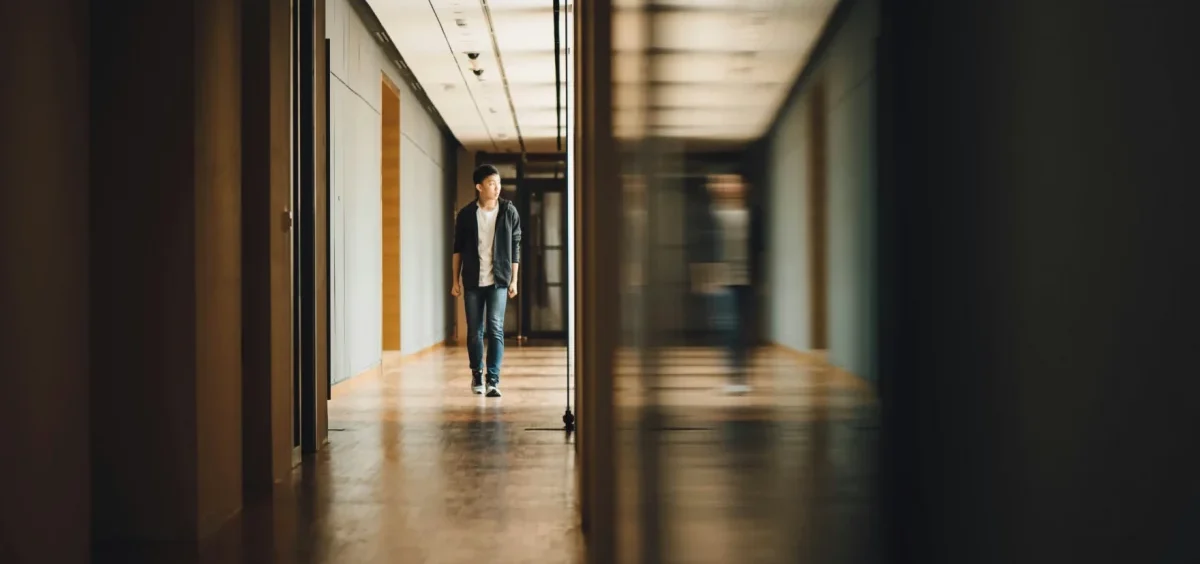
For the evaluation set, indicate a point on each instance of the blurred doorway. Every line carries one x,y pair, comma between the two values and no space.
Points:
544,286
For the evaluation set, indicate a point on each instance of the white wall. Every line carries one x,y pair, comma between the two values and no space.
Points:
356,63
847,69
788,263
850,82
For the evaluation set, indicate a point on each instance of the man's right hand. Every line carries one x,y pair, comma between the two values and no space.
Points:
456,289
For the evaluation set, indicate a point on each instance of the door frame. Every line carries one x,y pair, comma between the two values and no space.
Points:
305,396
529,186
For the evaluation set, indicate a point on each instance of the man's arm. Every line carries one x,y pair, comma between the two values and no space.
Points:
516,252
456,258
516,239
458,235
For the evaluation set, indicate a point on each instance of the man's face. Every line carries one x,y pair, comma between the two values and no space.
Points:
726,187
490,188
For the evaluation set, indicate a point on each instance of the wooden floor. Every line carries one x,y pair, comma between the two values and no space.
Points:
783,474
420,470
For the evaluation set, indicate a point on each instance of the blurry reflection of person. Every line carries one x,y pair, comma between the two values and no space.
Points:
728,281
633,251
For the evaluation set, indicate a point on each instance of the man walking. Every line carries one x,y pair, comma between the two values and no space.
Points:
727,280
487,254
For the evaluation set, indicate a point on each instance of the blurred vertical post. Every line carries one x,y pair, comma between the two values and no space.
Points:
659,162
600,211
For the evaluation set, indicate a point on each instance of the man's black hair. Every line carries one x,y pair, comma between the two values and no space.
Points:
484,171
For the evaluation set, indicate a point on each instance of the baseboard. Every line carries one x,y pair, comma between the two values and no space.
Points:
211,525
813,356
388,359
345,386
423,352
821,357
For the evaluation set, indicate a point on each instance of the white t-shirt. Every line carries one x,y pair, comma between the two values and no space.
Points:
734,224
486,219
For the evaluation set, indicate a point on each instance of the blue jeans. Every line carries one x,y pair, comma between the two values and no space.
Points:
492,301
729,309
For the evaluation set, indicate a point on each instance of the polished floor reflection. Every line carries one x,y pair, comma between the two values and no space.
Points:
420,470
783,474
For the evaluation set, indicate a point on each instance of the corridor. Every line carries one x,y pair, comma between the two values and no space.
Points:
841,281
418,469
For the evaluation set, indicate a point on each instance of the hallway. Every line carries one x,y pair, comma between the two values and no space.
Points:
218,217
418,469
421,470
783,474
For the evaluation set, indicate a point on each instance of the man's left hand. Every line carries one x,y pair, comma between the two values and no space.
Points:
512,290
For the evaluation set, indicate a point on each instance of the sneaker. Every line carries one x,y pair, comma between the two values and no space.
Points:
493,391
737,389
477,383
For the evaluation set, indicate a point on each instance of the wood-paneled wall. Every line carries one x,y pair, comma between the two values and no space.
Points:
390,193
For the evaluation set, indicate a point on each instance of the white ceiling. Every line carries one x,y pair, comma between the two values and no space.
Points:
720,68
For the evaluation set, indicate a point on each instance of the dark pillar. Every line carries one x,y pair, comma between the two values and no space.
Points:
266,258
1040,277
321,156
44,514
599,277
166,284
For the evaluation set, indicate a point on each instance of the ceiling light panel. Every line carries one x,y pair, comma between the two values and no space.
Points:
697,30
717,69
705,67
545,131
541,117
717,95
535,94
734,135
523,31
727,117
530,68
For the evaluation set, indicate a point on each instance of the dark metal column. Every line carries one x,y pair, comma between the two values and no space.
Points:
600,275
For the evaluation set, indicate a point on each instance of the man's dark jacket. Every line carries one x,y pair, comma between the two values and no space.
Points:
506,247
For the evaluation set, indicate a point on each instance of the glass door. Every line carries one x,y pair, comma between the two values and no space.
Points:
544,272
